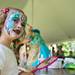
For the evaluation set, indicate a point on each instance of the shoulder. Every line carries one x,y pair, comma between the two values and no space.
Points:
2,57
2,50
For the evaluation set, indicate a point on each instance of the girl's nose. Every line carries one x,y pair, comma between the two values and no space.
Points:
19,25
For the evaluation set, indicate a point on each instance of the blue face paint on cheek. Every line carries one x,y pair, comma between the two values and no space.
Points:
10,22
9,25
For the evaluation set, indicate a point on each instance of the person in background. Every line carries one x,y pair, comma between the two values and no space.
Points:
39,49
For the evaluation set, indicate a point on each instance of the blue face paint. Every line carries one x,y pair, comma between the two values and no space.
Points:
10,23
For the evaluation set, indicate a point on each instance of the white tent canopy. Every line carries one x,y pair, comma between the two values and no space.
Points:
55,19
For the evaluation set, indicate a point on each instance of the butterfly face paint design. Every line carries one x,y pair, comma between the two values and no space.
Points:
12,20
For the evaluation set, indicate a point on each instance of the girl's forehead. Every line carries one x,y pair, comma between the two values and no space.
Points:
16,13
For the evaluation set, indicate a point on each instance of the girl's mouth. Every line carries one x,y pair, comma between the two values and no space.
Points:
17,31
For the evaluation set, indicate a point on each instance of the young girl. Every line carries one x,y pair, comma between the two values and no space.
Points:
12,26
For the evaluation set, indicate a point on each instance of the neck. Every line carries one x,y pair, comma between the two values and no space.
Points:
5,41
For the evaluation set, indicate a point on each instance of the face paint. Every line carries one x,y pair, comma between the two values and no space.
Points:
13,19
10,22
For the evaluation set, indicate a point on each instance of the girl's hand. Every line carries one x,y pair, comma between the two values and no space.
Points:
25,41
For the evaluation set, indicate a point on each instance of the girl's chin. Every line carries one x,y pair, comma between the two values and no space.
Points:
15,35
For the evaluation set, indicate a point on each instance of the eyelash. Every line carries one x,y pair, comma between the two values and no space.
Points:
16,21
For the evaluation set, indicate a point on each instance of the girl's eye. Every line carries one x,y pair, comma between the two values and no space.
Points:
23,24
16,21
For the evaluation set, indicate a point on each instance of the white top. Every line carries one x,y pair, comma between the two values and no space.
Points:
22,54
8,64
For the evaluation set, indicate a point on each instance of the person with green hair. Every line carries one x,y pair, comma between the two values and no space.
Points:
39,49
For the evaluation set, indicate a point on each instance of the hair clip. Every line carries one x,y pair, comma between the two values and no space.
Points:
5,10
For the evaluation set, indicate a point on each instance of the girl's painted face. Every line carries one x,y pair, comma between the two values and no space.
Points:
15,23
